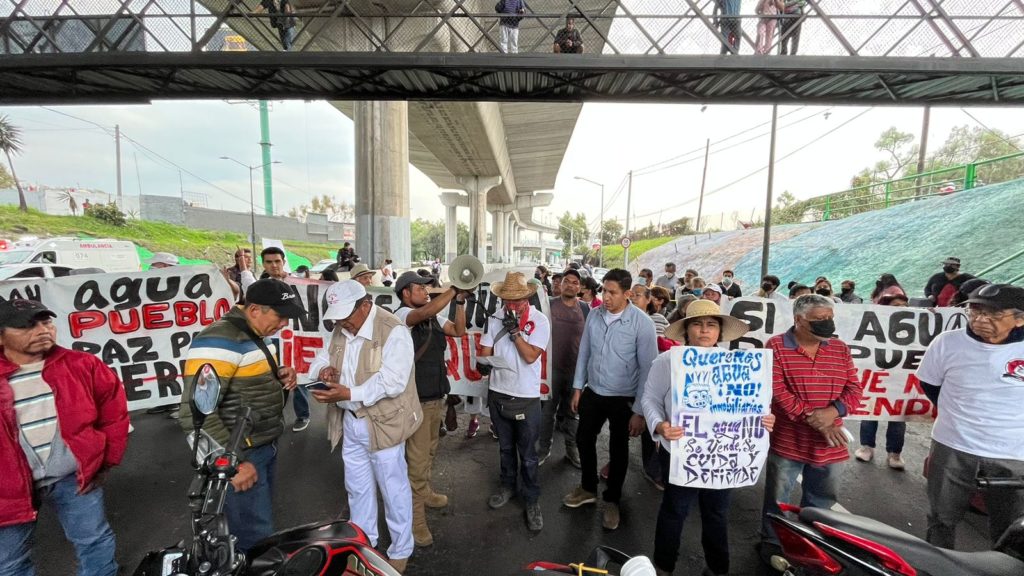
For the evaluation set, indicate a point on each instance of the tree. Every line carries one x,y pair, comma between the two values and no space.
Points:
611,232
572,230
336,210
69,197
10,143
6,181
680,227
428,239
966,145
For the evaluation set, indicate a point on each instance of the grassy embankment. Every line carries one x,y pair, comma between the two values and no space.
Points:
154,236
613,255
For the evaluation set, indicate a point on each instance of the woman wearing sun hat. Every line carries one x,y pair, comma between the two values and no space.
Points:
518,334
706,326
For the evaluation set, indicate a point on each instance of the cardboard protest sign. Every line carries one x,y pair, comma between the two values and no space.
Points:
719,398
887,344
139,323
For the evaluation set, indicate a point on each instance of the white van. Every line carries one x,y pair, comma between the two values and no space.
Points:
107,255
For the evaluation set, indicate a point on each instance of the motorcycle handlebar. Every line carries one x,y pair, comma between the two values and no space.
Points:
242,422
1016,482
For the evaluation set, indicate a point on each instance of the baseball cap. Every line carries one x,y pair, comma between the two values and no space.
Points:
410,277
276,294
20,313
163,258
951,260
998,297
342,298
713,288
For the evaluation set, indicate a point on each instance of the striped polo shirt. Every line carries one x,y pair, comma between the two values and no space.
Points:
36,412
801,383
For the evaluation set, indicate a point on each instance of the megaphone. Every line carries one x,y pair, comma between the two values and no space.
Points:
466,272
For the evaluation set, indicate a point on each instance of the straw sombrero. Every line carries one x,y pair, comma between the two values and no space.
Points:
732,328
515,287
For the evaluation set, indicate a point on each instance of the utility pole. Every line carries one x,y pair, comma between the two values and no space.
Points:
268,189
629,202
703,180
600,234
768,199
923,148
117,152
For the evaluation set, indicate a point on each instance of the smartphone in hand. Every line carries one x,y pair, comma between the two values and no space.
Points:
316,385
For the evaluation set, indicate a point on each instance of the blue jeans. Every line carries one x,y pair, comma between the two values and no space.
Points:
894,435
250,513
287,37
84,523
300,402
820,486
714,522
517,441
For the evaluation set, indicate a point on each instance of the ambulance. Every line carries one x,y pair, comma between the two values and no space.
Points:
107,255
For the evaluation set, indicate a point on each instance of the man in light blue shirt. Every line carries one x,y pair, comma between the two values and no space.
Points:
618,347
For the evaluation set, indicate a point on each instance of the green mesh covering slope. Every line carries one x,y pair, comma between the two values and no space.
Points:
981,226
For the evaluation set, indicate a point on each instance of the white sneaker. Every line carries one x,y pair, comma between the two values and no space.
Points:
896,461
131,428
864,453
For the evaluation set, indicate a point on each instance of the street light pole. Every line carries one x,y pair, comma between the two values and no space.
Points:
600,224
252,201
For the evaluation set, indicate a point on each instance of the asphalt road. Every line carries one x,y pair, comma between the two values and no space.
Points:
147,508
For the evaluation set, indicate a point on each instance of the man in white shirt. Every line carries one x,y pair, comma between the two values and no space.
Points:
518,335
368,366
976,378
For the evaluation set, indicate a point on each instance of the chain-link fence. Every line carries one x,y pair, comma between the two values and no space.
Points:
874,28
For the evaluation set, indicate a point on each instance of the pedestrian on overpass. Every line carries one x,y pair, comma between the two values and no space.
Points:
768,11
792,22
512,11
568,39
619,343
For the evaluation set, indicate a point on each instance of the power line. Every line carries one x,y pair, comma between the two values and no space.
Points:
991,131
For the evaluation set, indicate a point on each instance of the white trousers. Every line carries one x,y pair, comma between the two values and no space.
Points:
509,40
365,473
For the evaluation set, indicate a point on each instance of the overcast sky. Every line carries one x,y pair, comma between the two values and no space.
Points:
818,150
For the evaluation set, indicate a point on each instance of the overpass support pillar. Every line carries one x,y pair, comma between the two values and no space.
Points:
510,224
497,235
477,188
382,182
543,249
452,201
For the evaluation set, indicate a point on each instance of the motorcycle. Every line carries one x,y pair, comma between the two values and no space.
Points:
817,541
598,563
338,547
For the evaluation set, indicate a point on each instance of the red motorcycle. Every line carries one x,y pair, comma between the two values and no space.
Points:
338,547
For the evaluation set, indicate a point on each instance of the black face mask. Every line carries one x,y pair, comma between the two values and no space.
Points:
767,286
537,275
950,269
822,328
823,291
847,290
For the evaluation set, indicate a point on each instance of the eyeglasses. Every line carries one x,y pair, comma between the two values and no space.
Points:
975,312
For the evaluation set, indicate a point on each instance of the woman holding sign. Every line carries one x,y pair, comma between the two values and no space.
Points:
705,326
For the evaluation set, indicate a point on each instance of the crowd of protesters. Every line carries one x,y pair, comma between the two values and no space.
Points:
608,365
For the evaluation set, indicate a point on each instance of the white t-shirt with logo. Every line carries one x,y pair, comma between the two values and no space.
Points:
524,382
982,394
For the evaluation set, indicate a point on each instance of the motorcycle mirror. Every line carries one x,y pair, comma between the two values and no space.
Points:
205,394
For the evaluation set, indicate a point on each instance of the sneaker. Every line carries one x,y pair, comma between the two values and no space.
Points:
544,457
442,432
131,428
572,455
501,498
604,472
896,461
175,415
657,483
435,500
494,433
474,427
534,519
300,425
578,497
611,516
864,453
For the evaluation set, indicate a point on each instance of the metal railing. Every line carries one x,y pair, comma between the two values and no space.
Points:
900,28
912,188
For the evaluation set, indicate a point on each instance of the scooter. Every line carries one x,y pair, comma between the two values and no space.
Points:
338,547
817,541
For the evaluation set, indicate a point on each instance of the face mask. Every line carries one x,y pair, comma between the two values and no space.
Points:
823,292
822,328
697,291
847,290
950,269
727,280
767,286
537,275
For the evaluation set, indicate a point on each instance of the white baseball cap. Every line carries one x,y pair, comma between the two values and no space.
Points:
342,298
165,258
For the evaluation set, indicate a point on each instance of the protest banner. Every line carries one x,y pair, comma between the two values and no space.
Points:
719,398
139,323
886,342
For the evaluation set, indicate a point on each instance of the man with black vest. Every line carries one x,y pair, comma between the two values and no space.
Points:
427,318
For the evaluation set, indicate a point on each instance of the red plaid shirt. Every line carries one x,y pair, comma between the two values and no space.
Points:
801,383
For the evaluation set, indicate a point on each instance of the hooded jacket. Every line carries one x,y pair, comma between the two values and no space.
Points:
92,413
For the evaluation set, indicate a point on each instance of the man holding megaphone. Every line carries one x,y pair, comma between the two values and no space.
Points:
428,321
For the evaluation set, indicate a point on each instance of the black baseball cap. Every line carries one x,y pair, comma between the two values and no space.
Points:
411,277
21,313
572,272
998,297
276,294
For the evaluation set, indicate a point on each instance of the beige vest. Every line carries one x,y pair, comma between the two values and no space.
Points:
391,420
